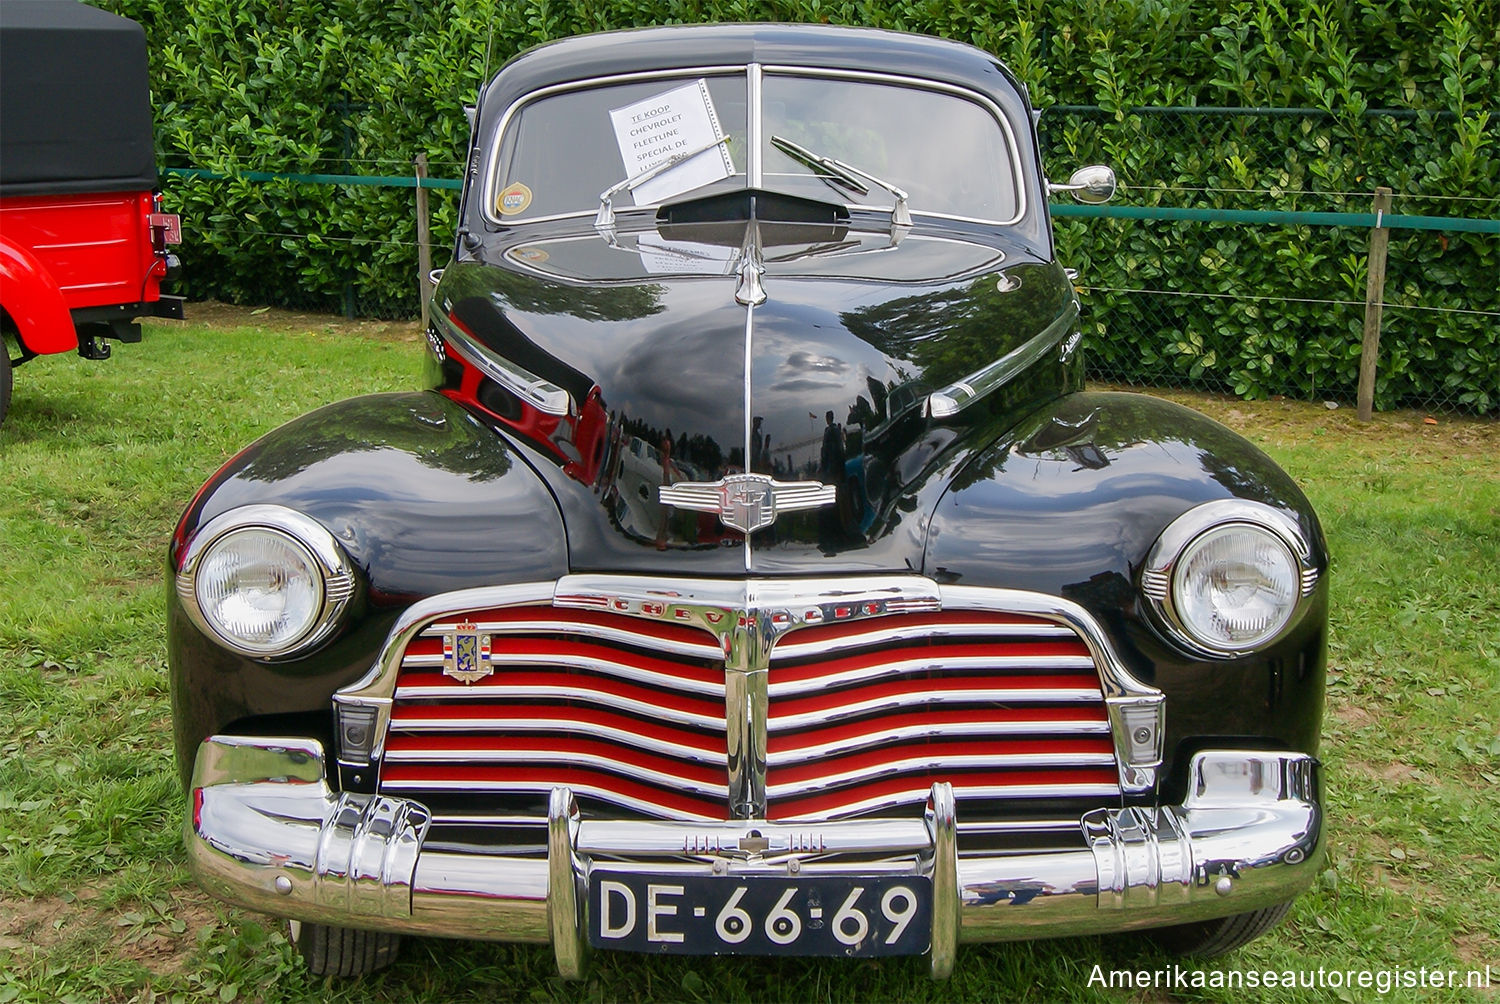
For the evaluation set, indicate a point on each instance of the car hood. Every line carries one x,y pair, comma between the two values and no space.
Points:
671,378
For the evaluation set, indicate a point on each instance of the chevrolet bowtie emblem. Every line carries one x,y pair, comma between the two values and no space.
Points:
747,502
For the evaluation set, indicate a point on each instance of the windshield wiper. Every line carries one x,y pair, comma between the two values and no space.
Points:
847,175
605,219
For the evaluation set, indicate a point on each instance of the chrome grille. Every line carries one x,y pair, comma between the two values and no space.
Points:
622,711
866,715
863,703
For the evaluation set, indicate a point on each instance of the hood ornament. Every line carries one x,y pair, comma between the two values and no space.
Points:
747,502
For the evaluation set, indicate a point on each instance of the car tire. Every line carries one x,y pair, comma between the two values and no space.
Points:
5,377
1208,938
343,951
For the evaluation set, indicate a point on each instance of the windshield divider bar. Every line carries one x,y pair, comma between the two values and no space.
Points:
753,160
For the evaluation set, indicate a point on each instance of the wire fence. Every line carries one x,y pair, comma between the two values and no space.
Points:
1234,259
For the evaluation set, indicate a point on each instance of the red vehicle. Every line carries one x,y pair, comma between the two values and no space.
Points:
83,240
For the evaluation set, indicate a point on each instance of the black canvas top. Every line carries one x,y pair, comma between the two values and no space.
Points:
75,102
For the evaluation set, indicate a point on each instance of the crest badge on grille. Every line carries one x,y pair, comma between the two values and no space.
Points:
466,653
747,502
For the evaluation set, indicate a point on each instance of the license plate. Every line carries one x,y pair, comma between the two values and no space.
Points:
761,915
170,225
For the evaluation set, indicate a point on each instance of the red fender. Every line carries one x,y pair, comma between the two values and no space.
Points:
32,298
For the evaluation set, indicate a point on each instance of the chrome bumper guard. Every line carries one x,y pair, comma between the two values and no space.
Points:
267,832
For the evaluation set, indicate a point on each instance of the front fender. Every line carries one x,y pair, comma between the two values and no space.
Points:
32,298
421,496
1070,502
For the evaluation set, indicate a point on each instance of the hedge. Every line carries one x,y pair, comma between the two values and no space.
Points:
362,86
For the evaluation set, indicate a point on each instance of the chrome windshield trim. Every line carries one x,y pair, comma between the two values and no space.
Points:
755,73
753,112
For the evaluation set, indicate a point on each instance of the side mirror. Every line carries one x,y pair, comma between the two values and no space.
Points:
1093,184
470,112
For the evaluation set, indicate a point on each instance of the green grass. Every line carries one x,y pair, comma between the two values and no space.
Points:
98,459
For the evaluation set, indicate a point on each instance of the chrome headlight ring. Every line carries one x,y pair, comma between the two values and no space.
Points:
265,581
1235,550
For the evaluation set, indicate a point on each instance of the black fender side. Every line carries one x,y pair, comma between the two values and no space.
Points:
422,496
1069,503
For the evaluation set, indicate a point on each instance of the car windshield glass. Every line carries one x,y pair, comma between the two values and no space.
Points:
561,152
947,152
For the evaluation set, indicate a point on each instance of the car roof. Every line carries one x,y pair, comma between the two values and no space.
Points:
678,46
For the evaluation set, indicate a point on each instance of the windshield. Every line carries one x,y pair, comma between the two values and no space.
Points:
949,154
562,152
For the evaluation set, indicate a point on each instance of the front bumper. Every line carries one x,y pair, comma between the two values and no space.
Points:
269,833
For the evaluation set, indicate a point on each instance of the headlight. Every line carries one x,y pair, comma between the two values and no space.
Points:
266,580
1229,577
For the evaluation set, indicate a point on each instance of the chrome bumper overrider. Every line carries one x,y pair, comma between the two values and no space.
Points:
268,832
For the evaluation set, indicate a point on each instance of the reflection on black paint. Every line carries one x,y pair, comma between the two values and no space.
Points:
415,425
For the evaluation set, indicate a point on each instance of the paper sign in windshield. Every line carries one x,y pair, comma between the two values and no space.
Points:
653,131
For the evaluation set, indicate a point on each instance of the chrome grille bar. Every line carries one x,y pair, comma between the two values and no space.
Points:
876,733
883,669
578,661
616,631
920,697
583,694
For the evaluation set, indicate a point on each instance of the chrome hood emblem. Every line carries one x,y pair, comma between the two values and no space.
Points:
747,502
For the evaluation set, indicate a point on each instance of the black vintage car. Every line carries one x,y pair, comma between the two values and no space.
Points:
756,574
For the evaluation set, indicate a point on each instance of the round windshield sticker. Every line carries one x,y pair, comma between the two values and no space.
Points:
532,256
515,199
